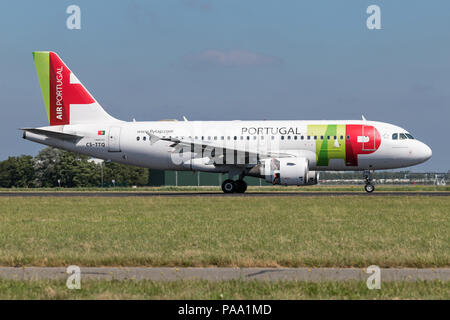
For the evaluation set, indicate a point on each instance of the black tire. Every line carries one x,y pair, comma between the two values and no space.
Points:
241,186
228,186
369,188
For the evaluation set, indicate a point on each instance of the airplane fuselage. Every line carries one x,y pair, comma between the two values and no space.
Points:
328,145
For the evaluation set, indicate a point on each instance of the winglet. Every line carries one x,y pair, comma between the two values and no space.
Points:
363,118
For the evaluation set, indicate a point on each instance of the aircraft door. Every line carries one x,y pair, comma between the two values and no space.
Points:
114,139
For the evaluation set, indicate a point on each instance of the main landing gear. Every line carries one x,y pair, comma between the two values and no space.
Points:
369,187
231,186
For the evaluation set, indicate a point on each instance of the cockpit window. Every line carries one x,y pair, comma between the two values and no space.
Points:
402,136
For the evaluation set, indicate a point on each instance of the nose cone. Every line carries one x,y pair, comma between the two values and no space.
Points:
424,153
428,152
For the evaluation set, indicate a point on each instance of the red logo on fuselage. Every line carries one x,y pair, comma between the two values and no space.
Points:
360,139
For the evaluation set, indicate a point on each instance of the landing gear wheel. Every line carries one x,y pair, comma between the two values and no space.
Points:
369,187
241,186
228,186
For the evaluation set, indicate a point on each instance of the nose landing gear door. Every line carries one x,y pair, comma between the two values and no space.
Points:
114,139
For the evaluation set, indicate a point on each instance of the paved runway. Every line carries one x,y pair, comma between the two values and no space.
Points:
216,274
112,194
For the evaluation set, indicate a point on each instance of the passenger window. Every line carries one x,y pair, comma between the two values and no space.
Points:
235,137
295,138
137,138
248,137
309,137
403,136
289,137
302,137
315,137
342,137
321,137
282,137
348,137
144,138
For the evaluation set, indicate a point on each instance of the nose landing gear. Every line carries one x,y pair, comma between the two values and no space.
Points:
369,187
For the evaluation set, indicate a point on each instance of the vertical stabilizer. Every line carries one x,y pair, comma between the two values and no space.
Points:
66,99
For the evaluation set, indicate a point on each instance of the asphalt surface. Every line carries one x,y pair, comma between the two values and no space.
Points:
112,194
217,274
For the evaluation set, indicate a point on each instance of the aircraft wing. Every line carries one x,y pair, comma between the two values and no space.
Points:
198,145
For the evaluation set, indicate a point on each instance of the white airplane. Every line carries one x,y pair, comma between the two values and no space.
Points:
282,152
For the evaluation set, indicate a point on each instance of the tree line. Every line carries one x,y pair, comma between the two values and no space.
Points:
54,167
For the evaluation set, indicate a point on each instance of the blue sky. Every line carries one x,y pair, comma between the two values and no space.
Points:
225,60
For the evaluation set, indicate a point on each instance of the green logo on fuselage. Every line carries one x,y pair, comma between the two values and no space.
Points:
330,143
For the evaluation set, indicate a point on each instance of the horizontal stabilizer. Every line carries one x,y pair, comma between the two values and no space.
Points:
53,134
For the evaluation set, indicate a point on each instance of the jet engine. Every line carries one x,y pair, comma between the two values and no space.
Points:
288,171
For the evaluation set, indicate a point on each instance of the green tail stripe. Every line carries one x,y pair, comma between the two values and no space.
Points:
42,63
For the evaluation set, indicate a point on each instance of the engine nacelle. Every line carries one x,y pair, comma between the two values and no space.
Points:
288,171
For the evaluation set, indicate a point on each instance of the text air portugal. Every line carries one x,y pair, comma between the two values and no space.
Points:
63,93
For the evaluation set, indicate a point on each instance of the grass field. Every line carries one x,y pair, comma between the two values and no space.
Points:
352,231
318,188
236,289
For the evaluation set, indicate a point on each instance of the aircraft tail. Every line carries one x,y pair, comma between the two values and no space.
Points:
66,100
